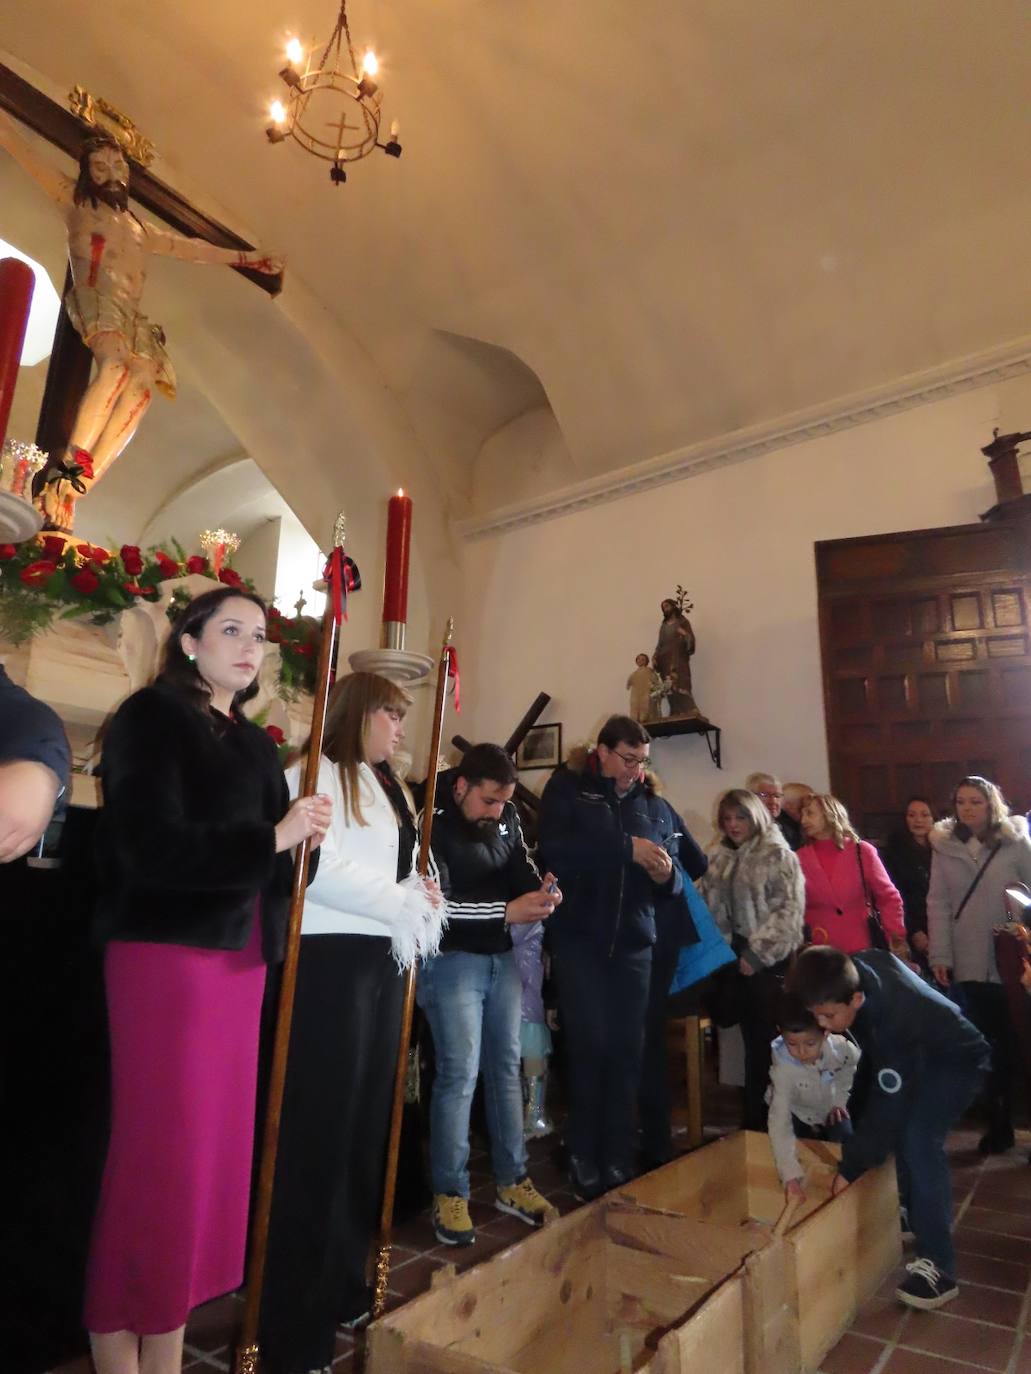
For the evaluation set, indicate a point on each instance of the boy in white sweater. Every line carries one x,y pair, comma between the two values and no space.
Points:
810,1081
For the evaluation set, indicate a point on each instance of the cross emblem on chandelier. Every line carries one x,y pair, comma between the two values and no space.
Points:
340,125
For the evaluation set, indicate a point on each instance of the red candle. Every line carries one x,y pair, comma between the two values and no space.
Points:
399,537
16,285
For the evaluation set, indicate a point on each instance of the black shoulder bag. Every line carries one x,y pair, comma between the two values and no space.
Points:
878,935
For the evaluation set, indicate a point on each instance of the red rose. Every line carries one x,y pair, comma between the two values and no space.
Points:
275,733
274,614
85,581
53,547
196,564
230,577
7,551
169,566
92,553
134,589
132,560
39,572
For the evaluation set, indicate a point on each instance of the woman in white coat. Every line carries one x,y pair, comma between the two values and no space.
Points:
977,853
367,917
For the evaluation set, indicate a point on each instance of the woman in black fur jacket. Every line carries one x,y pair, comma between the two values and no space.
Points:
194,852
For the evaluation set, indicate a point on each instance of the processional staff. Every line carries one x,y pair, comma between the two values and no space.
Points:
342,576
447,667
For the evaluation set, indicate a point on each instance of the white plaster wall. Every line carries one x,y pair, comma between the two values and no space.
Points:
564,605
258,557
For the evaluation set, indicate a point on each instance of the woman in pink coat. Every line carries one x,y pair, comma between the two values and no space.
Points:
836,864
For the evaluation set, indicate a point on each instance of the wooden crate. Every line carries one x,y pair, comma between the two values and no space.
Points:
841,1249
613,1287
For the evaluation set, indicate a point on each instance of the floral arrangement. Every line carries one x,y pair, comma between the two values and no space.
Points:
46,579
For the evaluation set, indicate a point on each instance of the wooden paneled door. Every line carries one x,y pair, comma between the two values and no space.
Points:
926,645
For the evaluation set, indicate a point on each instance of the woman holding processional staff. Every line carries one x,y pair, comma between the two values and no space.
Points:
367,917
194,850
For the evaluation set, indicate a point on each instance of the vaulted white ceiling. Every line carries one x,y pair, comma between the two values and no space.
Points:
616,230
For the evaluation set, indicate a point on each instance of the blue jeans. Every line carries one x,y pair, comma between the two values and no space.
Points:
473,1005
942,1094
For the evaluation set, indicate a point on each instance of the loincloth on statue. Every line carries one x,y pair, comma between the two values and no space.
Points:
93,312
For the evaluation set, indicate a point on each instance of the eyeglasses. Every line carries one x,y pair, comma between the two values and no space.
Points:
770,796
629,761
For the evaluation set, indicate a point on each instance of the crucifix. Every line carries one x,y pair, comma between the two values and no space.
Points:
85,424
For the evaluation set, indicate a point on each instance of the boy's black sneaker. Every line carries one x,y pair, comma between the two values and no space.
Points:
926,1287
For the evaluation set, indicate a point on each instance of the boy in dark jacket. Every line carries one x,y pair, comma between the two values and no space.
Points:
614,846
926,1063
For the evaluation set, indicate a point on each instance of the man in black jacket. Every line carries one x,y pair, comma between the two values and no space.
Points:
614,846
35,764
471,993
925,1063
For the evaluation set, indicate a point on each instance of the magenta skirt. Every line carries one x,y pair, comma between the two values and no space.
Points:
170,1230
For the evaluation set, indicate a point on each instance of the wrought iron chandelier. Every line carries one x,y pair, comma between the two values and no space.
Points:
322,92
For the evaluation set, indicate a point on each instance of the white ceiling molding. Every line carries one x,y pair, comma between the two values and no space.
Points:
982,369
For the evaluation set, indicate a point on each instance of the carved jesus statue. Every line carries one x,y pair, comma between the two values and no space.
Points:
108,248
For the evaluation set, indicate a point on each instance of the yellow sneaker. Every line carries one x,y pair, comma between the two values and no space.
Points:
522,1200
452,1224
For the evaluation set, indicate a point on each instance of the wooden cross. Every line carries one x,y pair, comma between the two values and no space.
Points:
68,372
511,746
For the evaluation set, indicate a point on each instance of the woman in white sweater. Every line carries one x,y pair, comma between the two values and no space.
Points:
367,917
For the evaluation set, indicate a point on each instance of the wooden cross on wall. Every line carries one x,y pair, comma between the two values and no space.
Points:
529,800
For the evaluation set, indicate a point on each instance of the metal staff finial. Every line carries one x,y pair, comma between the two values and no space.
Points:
339,530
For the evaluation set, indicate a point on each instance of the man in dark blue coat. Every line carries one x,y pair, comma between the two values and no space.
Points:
613,845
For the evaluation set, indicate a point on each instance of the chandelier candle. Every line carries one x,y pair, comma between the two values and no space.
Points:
395,584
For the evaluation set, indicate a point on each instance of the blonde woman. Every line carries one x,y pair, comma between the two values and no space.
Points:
977,852
844,877
753,887
367,917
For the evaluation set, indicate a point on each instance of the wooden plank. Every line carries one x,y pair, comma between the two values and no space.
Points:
710,1184
697,1247
642,1291
843,1253
771,1321
710,1340
420,1357
552,1281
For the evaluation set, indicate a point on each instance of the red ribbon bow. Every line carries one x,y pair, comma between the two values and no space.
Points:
452,671
339,574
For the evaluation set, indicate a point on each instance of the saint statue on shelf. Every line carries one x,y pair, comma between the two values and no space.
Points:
672,657
108,249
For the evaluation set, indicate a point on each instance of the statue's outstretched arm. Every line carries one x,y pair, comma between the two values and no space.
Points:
52,182
170,245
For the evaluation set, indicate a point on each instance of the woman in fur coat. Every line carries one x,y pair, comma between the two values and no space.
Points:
194,844
979,851
754,889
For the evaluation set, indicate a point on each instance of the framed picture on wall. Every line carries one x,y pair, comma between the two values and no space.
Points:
542,748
